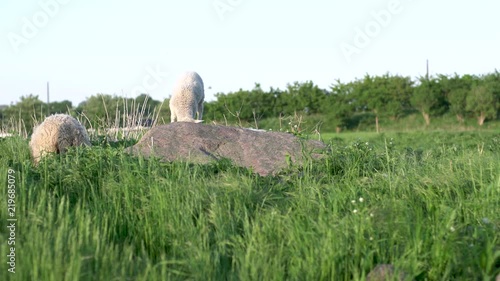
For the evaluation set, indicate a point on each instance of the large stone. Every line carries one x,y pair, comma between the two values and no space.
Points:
265,152
384,272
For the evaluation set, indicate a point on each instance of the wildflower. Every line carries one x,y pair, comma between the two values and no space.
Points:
355,211
371,215
452,229
353,201
366,143
361,199
371,238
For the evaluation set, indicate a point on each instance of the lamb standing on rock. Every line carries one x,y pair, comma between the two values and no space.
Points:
187,99
55,134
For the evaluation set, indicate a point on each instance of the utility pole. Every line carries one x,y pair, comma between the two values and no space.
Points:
427,75
48,99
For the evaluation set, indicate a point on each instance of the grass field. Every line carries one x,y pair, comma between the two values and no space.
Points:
428,203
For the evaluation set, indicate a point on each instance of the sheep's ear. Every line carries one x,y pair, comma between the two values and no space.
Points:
198,121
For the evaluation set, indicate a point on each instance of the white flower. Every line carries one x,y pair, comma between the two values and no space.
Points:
452,229
355,211
361,199
371,238
371,215
353,201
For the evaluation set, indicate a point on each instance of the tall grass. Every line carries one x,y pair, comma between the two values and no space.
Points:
127,123
428,203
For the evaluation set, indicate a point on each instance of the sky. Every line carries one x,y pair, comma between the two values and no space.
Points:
125,48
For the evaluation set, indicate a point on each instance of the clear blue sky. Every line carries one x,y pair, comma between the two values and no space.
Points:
122,47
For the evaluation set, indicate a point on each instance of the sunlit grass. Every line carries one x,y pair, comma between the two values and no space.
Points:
428,203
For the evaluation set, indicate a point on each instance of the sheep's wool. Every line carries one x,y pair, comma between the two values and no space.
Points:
55,134
186,103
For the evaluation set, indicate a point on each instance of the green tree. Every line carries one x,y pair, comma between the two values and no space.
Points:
400,90
29,111
305,97
146,104
245,106
384,96
2,112
458,88
104,110
338,106
429,98
235,106
163,110
145,109
493,81
482,101
60,106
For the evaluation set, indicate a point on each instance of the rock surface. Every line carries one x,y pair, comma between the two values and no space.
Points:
383,272
264,152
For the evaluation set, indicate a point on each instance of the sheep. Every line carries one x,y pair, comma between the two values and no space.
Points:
187,99
55,134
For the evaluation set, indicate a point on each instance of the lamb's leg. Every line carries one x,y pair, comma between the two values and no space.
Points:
200,110
172,116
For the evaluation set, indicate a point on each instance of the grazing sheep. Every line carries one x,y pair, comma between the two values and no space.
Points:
55,134
187,99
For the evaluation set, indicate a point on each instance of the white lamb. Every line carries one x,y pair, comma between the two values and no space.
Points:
55,134
186,103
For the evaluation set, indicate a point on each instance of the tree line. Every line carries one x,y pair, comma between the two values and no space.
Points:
387,96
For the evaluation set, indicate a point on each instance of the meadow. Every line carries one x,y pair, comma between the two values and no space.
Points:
426,202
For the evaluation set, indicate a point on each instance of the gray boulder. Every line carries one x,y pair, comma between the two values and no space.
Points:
384,272
265,152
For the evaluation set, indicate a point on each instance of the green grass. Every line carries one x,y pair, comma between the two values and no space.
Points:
365,122
430,206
